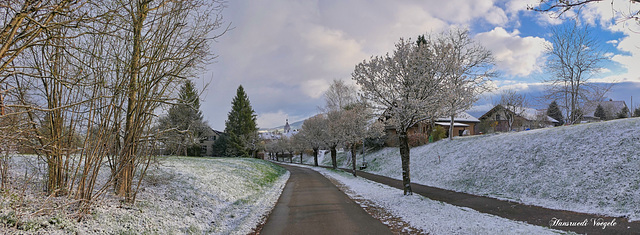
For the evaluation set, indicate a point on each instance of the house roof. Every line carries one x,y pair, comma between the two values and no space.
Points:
614,106
527,113
460,117
454,124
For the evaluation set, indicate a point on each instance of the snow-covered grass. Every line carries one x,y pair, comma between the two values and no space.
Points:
430,216
186,195
591,168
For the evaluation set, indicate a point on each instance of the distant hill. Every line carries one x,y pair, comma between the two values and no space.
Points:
294,126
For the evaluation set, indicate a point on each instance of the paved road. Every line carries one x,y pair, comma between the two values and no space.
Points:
530,214
311,204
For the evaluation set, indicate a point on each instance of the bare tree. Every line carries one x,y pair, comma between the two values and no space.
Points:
404,87
24,21
339,95
573,58
562,6
165,42
314,132
354,126
465,66
299,144
514,106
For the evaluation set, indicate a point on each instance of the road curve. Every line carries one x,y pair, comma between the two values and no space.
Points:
311,204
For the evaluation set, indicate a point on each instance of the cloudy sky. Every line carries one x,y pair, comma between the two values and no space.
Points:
286,53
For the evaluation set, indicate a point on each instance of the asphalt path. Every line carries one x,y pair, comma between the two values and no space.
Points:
590,224
311,204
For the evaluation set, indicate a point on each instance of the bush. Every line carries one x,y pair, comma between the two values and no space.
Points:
194,150
438,133
417,139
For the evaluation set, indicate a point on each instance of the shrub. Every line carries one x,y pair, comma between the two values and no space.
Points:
438,133
417,139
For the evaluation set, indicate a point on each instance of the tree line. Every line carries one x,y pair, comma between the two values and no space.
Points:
82,83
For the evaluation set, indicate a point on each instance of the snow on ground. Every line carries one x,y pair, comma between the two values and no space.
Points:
430,216
591,168
186,195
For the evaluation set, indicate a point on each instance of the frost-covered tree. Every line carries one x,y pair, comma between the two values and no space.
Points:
241,125
573,57
338,97
354,126
403,85
299,144
333,136
514,105
465,67
554,111
315,134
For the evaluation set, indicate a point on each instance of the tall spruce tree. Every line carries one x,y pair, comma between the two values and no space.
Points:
554,112
183,124
240,125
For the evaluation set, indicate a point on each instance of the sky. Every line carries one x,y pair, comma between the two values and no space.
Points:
285,53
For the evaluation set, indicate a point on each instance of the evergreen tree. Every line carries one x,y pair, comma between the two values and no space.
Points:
241,125
600,112
554,112
624,113
636,113
183,125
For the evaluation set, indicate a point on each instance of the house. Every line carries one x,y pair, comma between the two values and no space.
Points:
206,143
612,109
496,120
463,124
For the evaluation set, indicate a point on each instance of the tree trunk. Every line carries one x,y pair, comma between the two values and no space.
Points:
291,157
334,157
353,159
301,156
315,156
451,128
403,143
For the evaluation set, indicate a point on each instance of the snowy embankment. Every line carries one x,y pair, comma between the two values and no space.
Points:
591,168
429,216
187,195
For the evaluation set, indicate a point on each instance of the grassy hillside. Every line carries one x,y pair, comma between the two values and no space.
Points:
591,167
181,195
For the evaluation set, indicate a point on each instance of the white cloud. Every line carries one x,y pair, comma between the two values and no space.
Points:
611,15
518,56
272,119
315,88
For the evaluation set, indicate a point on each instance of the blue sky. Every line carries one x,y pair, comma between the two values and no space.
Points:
286,53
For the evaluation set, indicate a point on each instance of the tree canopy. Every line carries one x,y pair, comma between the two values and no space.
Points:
554,112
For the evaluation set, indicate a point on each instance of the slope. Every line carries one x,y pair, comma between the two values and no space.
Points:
591,168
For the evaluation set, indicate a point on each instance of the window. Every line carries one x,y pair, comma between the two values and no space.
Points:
204,148
214,137
497,117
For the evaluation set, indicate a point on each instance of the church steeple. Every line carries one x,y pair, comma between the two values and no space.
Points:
287,128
